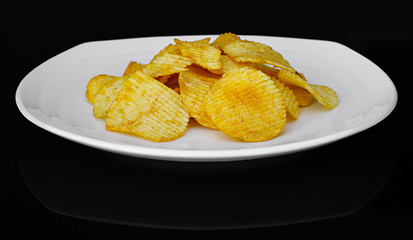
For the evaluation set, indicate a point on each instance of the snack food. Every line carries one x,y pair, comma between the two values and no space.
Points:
242,88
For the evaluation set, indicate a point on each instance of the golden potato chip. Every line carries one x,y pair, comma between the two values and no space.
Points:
245,104
95,84
291,104
324,95
167,64
201,52
106,95
248,51
133,67
271,71
194,85
224,39
149,109
303,96
227,64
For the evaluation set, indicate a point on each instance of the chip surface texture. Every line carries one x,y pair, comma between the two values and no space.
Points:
149,109
246,105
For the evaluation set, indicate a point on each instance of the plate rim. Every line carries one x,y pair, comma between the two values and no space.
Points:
187,155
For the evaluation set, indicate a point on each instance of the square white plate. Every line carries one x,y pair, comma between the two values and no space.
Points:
52,96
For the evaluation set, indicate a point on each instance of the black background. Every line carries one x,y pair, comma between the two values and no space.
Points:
36,32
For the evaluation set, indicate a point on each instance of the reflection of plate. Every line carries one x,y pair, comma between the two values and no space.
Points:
52,96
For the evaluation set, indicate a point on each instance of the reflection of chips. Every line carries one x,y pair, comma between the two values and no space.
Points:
194,85
246,104
109,87
247,51
291,104
149,109
201,52
324,95
133,67
167,64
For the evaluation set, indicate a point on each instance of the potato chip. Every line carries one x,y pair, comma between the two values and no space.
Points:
303,96
248,51
95,84
133,67
167,64
194,85
149,109
291,104
245,104
202,53
106,95
324,95
224,39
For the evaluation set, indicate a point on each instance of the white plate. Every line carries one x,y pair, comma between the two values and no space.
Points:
52,96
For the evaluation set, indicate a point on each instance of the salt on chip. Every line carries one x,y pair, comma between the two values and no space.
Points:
201,52
245,104
149,109
194,86
255,52
324,95
167,64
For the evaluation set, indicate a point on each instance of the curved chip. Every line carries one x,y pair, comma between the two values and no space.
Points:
324,95
194,85
291,103
245,104
167,64
133,67
255,52
201,52
149,109
95,84
224,39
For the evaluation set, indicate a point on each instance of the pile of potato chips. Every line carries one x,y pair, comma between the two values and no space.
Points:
242,88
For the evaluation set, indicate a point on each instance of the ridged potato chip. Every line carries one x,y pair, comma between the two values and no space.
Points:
201,52
291,104
167,64
255,52
224,39
324,95
149,109
194,85
95,84
106,94
133,67
303,96
245,104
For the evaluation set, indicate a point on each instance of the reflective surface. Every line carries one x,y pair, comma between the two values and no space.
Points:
83,182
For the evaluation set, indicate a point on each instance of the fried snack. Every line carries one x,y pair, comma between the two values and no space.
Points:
201,52
194,85
303,96
167,64
291,104
248,51
149,109
224,39
109,87
133,67
324,95
246,105
95,84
